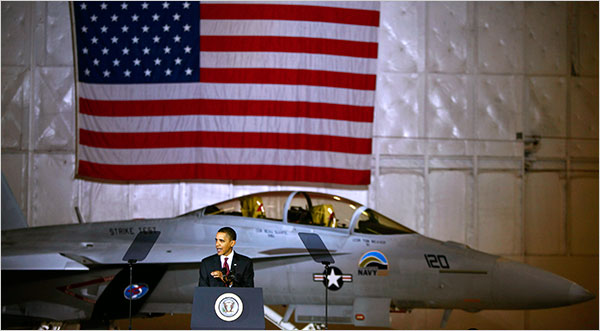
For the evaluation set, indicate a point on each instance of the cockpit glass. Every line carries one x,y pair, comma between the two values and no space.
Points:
307,208
268,205
321,209
318,209
372,222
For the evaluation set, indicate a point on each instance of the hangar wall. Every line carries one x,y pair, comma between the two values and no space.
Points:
486,132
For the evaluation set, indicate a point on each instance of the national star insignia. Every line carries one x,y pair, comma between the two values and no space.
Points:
334,280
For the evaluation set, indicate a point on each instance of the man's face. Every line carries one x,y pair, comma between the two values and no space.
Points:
223,243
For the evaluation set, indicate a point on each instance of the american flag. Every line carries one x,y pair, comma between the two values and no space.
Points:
225,91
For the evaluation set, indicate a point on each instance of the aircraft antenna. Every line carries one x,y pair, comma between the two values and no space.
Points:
79,217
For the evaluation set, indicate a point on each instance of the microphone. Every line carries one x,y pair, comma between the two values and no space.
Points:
229,279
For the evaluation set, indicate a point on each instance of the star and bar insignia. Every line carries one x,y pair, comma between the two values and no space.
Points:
334,279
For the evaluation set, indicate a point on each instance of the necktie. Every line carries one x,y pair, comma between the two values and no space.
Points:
226,266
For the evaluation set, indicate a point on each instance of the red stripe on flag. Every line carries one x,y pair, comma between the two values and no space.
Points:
223,172
289,77
226,107
238,11
225,140
288,44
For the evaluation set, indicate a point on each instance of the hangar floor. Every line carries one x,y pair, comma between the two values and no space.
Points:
182,322
417,319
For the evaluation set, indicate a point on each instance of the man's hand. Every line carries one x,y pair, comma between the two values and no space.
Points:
217,274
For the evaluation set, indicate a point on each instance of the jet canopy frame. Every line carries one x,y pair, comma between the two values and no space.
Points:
306,208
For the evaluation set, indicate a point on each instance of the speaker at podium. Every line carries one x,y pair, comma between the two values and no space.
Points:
228,308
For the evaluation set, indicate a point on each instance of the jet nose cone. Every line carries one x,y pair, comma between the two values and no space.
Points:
522,286
579,294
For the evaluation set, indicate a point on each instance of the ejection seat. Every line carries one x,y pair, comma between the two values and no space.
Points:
323,215
252,206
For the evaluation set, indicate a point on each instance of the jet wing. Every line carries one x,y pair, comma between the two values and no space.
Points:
44,261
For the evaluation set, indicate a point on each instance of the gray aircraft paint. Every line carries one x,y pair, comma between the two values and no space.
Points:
421,272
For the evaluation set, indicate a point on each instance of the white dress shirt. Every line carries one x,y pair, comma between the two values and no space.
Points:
229,260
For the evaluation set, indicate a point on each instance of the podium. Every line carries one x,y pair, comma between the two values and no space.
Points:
228,308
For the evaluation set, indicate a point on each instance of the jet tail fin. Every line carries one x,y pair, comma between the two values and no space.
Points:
12,216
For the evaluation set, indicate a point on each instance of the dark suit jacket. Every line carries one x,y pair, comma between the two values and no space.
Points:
241,267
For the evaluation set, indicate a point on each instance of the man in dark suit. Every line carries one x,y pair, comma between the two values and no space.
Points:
226,268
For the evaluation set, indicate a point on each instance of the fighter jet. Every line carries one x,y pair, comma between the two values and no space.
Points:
76,272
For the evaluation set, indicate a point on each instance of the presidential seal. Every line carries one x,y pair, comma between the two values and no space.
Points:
229,307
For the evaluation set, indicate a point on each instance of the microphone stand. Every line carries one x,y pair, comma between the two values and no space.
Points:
137,251
130,262
320,254
326,272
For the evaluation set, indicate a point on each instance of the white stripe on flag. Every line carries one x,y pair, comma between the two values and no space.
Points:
217,91
216,123
208,155
366,5
288,29
324,62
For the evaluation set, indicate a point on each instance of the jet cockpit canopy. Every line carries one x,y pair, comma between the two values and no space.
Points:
307,208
